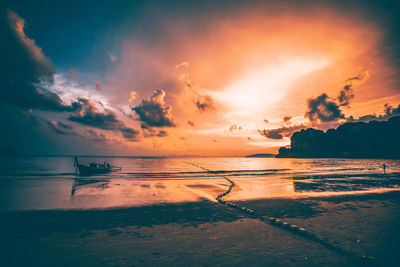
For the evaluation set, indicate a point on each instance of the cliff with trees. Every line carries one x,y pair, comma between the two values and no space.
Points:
376,139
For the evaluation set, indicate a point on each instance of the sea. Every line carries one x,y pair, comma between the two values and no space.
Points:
43,183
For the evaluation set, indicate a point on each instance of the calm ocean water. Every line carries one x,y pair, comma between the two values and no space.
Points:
28,183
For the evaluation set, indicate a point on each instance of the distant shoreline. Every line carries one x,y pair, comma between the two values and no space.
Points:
261,156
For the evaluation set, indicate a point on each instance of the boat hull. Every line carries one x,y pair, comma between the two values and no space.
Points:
87,171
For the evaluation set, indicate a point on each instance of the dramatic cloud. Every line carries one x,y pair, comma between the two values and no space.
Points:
24,67
61,128
162,133
279,133
204,103
346,94
326,109
129,133
322,109
86,113
154,112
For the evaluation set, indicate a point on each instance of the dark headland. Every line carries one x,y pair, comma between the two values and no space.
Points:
260,156
376,139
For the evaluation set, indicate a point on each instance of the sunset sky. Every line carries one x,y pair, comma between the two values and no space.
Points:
212,78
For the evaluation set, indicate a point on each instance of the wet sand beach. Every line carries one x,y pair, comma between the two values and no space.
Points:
206,234
201,212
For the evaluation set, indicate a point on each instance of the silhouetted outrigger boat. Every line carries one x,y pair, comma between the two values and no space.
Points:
94,168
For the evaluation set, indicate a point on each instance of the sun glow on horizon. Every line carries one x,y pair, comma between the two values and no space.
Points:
256,89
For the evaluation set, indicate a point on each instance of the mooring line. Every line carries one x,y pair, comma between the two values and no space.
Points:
294,229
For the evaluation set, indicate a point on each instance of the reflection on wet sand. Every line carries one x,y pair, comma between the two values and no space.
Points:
137,192
123,192
79,182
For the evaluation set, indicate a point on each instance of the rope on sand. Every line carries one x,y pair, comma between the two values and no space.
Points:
294,229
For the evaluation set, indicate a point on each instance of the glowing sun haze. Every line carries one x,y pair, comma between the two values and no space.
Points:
215,82
254,66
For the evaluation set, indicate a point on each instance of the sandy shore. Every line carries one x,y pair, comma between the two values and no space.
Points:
205,234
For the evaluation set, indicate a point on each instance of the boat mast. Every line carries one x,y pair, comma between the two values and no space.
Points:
76,164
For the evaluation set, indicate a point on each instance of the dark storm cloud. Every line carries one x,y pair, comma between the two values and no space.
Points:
86,113
279,133
273,134
162,133
129,133
326,109
322,108
346,95
204,103
24,67
25,73
61,128
153,112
